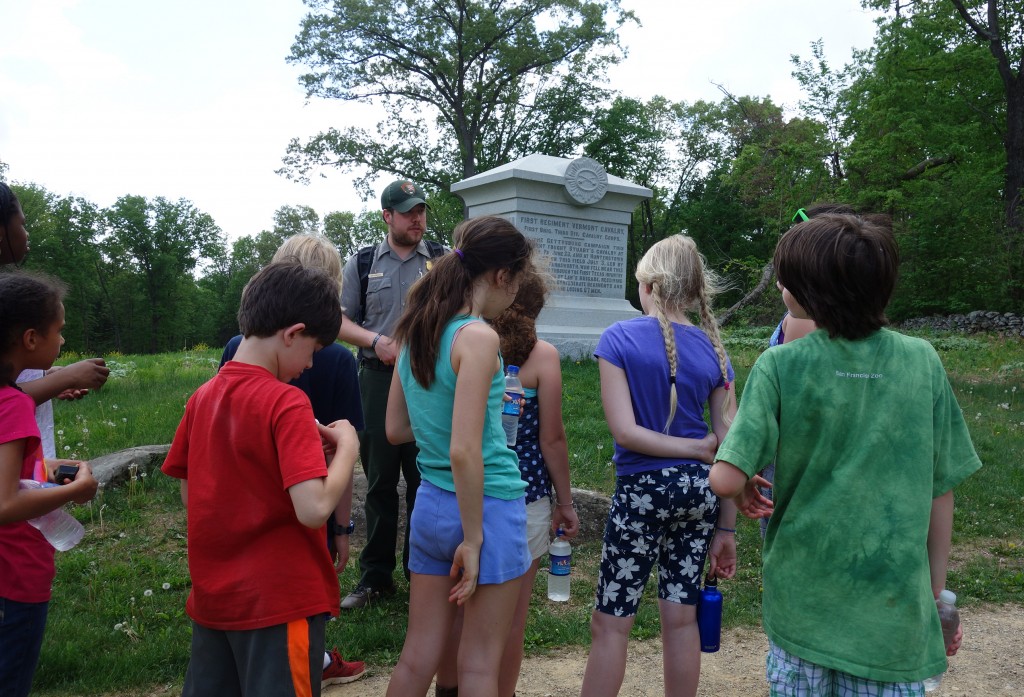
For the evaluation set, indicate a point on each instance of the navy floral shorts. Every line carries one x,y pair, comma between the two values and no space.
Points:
666,517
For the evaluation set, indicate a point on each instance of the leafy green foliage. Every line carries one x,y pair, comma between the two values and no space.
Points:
466,86
925,123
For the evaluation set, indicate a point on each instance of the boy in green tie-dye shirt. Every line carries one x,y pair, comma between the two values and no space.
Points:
869,442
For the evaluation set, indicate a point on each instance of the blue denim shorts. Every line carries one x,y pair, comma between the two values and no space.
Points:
792,676
436,531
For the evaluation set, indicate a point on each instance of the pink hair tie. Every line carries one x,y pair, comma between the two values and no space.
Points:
727,385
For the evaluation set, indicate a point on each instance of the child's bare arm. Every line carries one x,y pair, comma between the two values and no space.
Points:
85,375
18,504
729,481
316,499
940,535
553,444
342,515
618,412
396,420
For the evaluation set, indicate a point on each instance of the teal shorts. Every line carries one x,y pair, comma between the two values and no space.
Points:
792,676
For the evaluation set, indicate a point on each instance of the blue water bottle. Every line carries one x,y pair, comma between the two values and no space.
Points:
709,615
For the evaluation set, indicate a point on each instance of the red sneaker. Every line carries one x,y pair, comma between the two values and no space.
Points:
341,671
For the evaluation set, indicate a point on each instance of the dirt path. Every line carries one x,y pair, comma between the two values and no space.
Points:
991,662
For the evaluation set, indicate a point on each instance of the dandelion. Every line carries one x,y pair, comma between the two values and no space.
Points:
60,432
115,407
67,447
148,592
1005,405
124,420
85,430
166,586
118,627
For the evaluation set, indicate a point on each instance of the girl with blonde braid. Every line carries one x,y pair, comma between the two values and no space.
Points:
657,374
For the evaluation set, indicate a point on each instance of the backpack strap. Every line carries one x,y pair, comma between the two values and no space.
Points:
364,260
435,249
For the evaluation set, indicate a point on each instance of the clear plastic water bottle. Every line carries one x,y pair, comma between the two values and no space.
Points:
512,408
949,618
709,616
560,554
59,527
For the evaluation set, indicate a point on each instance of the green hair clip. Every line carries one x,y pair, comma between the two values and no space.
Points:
800,215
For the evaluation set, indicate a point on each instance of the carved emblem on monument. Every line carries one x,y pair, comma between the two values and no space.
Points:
586,181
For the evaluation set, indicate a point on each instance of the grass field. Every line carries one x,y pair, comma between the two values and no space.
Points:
117,621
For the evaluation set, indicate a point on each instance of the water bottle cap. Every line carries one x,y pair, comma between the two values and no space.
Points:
559,533
948,597
512,369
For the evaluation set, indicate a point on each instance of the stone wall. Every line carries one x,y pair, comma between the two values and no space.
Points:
1005,323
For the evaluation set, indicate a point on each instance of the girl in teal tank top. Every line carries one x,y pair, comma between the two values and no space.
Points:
468,542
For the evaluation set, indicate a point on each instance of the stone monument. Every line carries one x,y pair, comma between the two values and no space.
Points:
578,216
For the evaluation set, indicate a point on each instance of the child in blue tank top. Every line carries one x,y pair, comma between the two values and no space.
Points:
468,530
543,463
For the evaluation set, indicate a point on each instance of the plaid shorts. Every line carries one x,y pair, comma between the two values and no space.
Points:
791,676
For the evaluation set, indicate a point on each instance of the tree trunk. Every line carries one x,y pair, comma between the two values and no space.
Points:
766,278
1014,144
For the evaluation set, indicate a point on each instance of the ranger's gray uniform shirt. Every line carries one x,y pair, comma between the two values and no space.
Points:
387,286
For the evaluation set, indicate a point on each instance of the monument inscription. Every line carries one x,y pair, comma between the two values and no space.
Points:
587,258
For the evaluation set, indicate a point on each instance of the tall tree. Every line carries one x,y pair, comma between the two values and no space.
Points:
824,89
163,242
1001,26
926,116
296,220
466,84
63,234
349,232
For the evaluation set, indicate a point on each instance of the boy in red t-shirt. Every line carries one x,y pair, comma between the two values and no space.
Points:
258,495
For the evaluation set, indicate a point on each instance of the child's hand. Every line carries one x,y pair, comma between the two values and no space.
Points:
83,488
751,502
83,376
565,518
722,556
467,559
53,465
708,447
340,435
957,640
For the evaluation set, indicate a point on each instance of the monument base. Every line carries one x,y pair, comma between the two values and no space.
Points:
573,324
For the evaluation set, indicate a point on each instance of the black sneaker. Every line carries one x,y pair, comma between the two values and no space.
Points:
364,595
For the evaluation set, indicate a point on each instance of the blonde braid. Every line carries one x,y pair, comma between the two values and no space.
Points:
668,334
710,326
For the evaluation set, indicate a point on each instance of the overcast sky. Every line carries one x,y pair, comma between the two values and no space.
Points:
193,99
